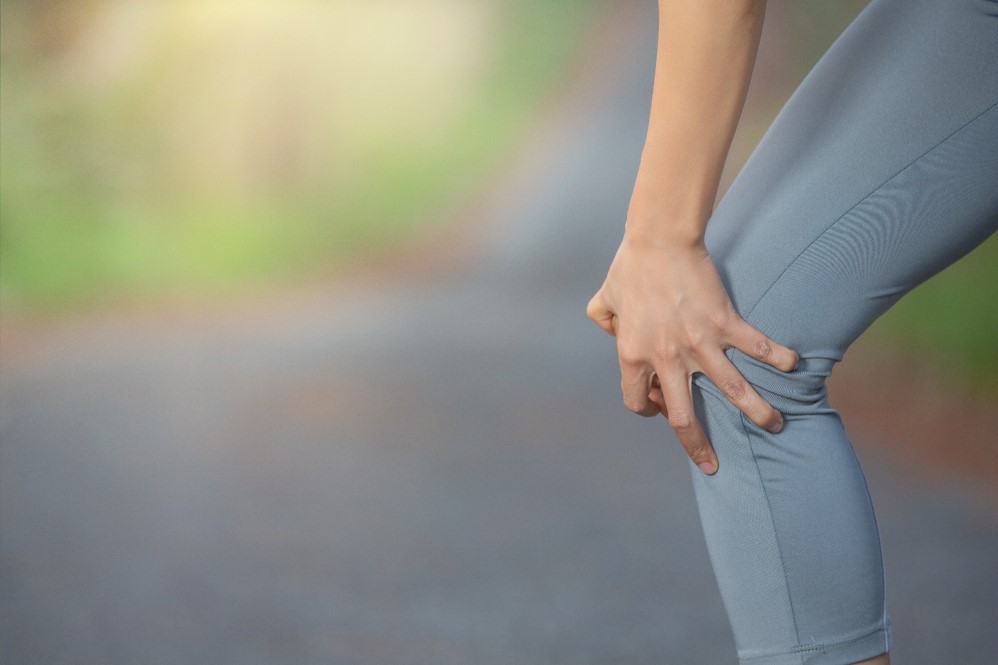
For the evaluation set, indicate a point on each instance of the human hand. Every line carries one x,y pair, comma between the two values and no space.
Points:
672,318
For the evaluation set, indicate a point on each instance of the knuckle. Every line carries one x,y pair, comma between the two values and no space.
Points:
762,349
735,389
681,421
666,349
629,358
695,337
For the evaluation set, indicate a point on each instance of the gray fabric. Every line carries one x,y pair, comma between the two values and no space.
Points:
881,170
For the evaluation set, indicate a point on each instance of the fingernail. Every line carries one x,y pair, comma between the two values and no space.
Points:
708,468
776,427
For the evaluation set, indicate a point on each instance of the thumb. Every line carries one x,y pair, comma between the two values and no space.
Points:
600,313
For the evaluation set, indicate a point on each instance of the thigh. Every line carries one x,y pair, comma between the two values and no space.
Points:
880,171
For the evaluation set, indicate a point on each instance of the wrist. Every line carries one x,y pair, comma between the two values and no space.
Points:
662,227
665,236
670,215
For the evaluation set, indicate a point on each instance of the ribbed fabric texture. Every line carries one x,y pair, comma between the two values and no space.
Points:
881,170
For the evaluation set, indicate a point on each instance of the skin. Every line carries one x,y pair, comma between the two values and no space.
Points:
663,299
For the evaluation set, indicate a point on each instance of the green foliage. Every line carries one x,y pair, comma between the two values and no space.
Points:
951,321
100,199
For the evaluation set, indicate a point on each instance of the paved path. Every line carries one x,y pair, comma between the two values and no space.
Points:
414,472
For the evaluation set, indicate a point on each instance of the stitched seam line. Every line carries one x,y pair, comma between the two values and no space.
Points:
772,522
855,205
823,647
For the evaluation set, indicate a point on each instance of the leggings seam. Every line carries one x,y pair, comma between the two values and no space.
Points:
772,522
818,648
855,205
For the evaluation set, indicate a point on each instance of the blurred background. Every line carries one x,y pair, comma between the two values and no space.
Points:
163,150
295,367
185,148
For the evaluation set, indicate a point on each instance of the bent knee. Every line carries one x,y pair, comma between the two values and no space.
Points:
801,391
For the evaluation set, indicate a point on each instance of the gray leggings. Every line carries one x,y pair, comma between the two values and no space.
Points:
881,170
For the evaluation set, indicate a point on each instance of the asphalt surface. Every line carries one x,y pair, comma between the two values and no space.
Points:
409,471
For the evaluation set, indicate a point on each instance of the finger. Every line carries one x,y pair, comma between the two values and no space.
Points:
656,397
635,384
741,393
752,342
676,390
600,313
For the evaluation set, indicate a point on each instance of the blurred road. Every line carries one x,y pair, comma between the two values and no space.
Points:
410,471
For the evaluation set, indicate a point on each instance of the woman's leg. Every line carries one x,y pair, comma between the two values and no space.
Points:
880,171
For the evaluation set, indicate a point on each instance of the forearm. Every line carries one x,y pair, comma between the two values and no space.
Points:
663,298
706,51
